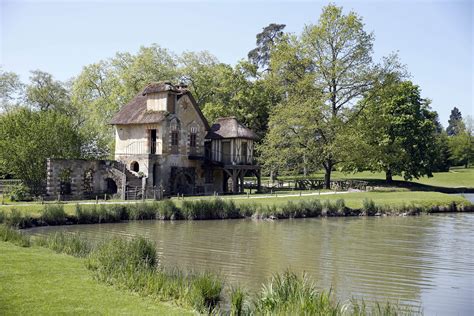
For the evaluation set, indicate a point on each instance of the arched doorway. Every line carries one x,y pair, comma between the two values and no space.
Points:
111,186
183,184
134,166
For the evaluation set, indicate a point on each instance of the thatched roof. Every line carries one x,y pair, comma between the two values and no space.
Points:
161,86
135,112
229,127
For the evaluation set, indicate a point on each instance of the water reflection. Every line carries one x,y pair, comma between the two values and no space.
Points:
426,260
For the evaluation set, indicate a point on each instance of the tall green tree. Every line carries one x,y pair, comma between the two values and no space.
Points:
266,40
455,123
28,137
45,93
442,157
11,90
462,144
335,55
399,131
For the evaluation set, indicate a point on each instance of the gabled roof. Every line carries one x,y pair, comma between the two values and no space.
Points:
135,112
229,127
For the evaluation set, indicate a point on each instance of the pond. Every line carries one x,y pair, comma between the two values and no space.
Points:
425,261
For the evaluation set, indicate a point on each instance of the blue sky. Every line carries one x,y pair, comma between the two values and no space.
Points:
433,38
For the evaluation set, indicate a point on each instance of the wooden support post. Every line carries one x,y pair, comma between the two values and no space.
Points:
259,181
235,187
242,181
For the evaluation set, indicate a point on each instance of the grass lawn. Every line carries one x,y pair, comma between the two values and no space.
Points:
355,200
457,177
40,282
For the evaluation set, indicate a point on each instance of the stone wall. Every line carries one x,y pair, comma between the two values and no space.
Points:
77,179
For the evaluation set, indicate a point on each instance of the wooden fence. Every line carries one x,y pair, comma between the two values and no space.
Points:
310,184
7,184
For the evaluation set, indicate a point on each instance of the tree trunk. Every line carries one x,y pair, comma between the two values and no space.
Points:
272,175
388,175
305,169
327,175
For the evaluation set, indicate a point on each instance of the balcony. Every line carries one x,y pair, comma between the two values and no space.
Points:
139,148
218,157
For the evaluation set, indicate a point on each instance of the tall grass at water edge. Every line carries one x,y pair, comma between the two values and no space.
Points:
54,214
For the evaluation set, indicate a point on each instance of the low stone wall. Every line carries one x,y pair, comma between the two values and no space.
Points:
79,179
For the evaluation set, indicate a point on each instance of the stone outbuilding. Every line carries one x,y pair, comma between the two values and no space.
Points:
163,142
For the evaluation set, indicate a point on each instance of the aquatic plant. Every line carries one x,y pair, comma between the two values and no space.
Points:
289,294
71,244
238,304
369,207
14,236
141,211
167,210
53,214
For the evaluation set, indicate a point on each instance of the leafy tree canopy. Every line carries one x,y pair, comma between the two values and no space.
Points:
28,137
455,123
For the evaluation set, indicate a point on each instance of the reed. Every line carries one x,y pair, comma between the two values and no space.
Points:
141,211
369,207
71,244
167,210
18,219
9,234
290,294
53,214
209,209
238,306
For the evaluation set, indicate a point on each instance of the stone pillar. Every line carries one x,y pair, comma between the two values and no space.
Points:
51,181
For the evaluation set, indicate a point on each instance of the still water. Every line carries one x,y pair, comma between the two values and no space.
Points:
426,261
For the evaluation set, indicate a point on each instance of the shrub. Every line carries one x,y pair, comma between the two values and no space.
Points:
14,236
3,217
53,214
19,192
71,244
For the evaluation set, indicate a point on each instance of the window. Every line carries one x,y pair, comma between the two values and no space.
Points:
174,138
153,141
192,140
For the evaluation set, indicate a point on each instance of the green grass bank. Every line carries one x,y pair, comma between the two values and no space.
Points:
40,281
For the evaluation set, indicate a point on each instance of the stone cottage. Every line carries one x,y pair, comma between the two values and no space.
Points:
163,142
